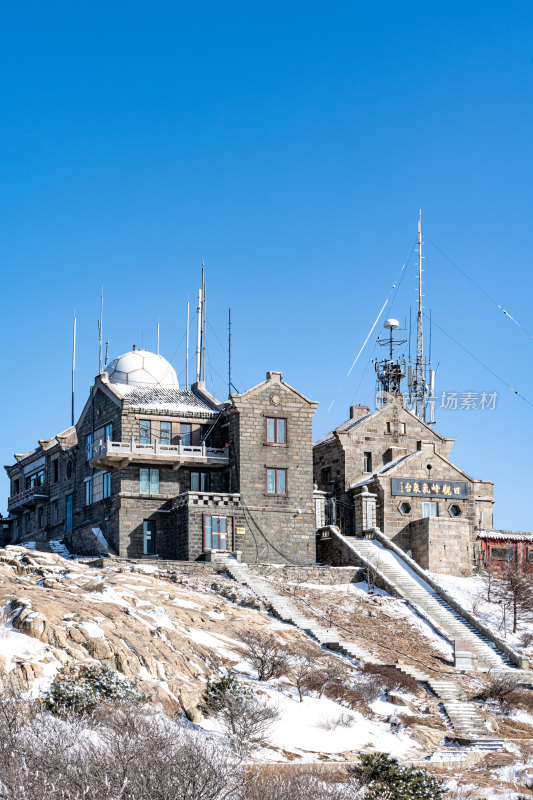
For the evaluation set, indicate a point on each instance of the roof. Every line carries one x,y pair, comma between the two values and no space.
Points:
156,398
349,425
390,465
506,536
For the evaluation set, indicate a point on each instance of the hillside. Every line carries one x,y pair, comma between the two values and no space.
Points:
171,632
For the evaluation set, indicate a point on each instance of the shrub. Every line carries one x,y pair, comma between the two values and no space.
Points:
94,586
266,654
527,639
242,715
499,688
391,678
82,689
386,779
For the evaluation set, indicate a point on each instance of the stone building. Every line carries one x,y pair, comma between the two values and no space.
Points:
389,469
150,469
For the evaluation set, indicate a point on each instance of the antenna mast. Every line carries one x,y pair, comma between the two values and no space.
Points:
73,366
100,332
199,338
419,376
229,351
187,349
157,351
203,322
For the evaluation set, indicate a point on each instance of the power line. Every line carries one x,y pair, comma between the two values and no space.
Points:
479,361
480,289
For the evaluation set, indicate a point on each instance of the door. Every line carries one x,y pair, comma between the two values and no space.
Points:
217,531
68,513
149,537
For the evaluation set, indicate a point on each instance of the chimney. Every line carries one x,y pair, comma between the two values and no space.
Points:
356,412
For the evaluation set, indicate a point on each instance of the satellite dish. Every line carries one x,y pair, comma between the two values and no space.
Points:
391,324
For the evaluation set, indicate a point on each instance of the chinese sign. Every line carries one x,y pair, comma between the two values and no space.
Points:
413,487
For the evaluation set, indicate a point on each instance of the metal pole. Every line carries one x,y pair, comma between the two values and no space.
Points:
187,349
73,366
100,332
229,351
157,351
203,323
199,336
420,389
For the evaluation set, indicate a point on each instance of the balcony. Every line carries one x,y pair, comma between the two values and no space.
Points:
28,498
120,454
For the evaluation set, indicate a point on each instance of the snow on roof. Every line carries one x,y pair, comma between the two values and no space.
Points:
506,536
153,398
384,469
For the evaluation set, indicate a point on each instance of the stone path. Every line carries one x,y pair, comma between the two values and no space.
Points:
427,602
468,725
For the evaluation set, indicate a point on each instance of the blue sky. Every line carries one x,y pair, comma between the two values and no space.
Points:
290,146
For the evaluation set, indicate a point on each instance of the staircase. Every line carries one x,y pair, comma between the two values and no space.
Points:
468,724
426,602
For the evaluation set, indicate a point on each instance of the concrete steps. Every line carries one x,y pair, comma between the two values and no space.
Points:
424,599
468,724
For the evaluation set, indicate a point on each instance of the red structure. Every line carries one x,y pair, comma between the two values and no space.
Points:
499,549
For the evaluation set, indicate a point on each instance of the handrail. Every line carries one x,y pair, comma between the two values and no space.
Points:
135,447
500,643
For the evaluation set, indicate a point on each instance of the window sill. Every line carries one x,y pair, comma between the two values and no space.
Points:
274,444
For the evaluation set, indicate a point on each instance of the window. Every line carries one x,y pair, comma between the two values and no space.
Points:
276,480
68,512
388,427
55,512
165,432
145,434
276,430
109,432
27,523
16,486
55,470
101,487
367,462
186,433
455,511
502,554
70,470
530,554
405,508
40,517
89,447
200,481
35,480
88,492
325,475
430,510
403,427
218,532
149,479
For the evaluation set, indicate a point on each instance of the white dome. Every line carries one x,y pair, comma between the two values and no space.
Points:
142,368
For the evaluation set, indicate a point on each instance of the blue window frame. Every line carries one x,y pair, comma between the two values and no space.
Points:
89,447
109,432
107,484
88,492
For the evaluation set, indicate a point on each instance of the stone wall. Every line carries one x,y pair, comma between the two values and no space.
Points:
325,576
278,528
442,545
